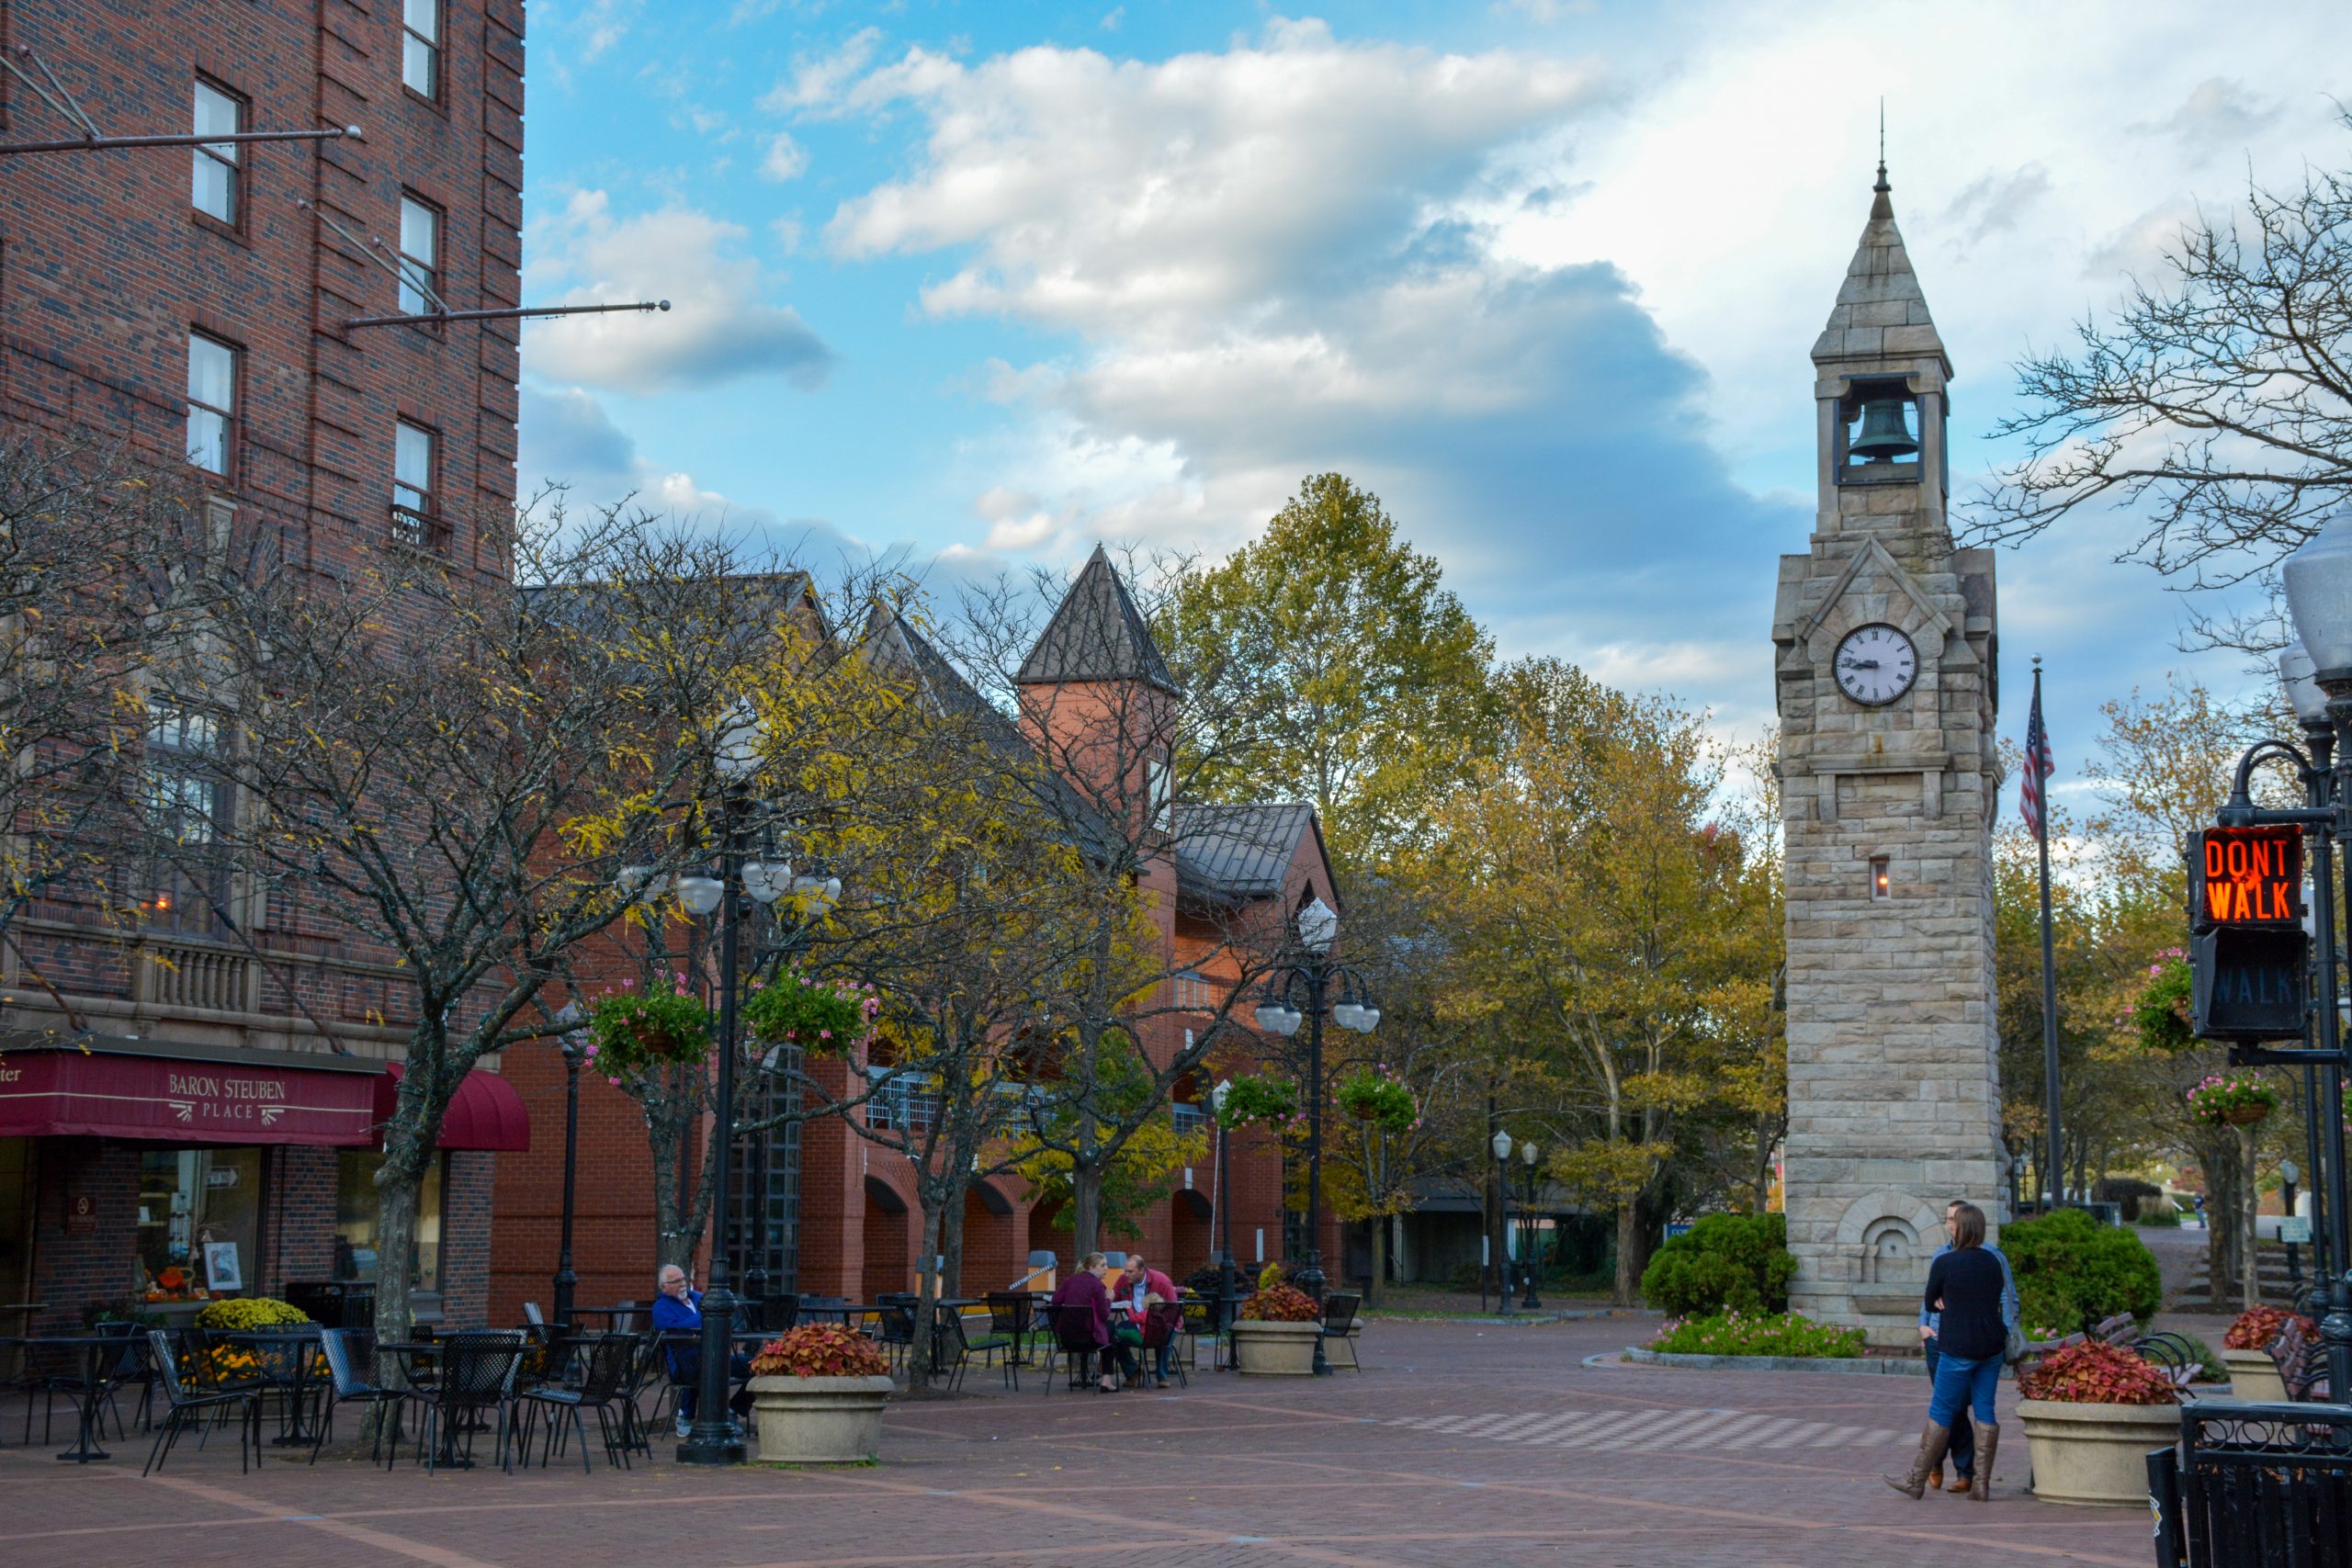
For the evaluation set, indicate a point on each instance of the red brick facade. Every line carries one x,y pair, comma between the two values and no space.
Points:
107,267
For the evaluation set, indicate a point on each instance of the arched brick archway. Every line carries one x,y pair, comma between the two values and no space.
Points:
1191,1242
887,1245
992,1250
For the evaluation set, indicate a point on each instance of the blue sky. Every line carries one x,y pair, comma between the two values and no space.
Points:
987,283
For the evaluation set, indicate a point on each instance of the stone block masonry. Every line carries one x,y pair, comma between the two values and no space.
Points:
1893,1084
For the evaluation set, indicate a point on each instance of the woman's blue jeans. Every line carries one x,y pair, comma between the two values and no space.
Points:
1964,1384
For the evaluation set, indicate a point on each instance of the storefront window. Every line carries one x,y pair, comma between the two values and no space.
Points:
354,1220
200,1222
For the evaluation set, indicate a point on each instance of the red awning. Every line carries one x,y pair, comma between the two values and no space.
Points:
117,1089
485,1114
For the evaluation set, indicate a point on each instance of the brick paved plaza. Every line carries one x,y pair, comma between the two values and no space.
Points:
1464,1444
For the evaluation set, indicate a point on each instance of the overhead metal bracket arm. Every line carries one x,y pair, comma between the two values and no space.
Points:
51,91
512,314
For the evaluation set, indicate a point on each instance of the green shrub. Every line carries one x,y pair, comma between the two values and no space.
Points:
1739,1333
2072,1271
1725,1261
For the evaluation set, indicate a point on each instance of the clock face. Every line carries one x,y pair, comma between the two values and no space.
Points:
1876,664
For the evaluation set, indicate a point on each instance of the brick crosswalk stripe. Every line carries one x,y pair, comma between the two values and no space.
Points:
1744,1430
1550,1424
1673,1429
1514,1425
1612,1425
1838,1434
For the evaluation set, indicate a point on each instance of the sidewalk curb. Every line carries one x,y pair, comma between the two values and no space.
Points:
1853,1366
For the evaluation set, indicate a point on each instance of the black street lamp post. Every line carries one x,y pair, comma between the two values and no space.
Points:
2317,674
1501,1143
1227,1285
1309,981
713,1438
1531,1258
575,1056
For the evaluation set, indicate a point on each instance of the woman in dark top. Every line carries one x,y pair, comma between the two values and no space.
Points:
1965,1286
1083,1319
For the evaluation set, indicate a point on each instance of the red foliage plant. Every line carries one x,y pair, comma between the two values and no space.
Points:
1281,1304
820,1351
2257,1327
2096,1374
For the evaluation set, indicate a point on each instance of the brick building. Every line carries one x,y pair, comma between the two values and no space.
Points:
196,301
840,1214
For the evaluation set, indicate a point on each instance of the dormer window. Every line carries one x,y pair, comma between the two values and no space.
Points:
1878,431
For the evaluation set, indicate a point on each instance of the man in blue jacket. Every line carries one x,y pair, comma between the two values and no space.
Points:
1961,1449
678,1311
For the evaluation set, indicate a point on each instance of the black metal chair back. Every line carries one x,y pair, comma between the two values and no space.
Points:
167,1368
2253,1485
1011,1312
1339,1313
898,1320
611,1367
1074,1327
784,1312
350,1362
478,1365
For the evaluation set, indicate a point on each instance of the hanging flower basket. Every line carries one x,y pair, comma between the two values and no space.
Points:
1250,1098
633,1028
2161,1014
823,1018
1369,1097
2236,1100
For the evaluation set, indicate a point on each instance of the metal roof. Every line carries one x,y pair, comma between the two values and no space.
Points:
1097,634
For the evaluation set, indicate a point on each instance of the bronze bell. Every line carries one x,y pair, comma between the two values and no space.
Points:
1886,434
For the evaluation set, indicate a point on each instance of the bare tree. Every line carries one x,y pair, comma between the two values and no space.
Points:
2217,401
452,769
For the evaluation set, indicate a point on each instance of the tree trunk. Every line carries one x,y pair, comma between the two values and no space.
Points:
1763,1166
1628,1253
2251,1204
1085,1210
1379,1259
396,1195
926,1298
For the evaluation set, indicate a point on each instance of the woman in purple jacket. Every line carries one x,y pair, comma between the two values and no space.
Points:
1083,1319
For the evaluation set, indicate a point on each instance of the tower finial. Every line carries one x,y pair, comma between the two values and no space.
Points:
1880,206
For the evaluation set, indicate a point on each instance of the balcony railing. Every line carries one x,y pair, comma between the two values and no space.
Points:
184,974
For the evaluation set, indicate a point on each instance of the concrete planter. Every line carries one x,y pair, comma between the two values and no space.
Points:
1274,1350
2094,1454
2254,1377
820,1420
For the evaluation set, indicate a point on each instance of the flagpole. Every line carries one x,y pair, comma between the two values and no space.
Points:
2057,1155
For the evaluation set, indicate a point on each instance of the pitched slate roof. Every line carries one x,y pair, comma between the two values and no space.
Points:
1097,634
1228,855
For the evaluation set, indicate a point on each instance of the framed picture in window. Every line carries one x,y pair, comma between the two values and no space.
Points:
220,1268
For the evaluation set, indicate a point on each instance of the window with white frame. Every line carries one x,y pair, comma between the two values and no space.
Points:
187,808
421,46
420,256
412,458
211,403
214,189
1194,993
902,1102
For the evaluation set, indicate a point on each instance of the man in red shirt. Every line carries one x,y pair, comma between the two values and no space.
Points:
1138,1285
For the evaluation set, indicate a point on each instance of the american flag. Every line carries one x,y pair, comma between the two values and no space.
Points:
2039,763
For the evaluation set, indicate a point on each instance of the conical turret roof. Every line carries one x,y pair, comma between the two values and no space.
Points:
1097,634
1881,316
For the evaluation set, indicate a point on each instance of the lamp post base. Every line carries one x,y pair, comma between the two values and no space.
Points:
709,1447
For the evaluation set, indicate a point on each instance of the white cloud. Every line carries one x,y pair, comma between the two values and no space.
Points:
1132,197
722,325
785,157
817,80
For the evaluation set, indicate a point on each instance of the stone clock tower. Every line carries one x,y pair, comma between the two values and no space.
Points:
1885,648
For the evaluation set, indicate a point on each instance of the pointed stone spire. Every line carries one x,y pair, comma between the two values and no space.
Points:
1881,321
1097,634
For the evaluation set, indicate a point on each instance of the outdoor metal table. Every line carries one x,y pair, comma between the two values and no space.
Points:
97,1350
297,1348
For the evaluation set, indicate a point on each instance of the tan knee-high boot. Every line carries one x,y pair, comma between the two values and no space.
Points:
1988,1438
1931,1454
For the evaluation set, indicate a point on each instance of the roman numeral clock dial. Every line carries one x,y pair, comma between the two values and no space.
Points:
1876,664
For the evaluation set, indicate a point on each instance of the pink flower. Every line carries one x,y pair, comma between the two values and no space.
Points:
615,1082
629,984
591,1052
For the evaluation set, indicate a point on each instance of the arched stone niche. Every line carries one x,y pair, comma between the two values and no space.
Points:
1890,1236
